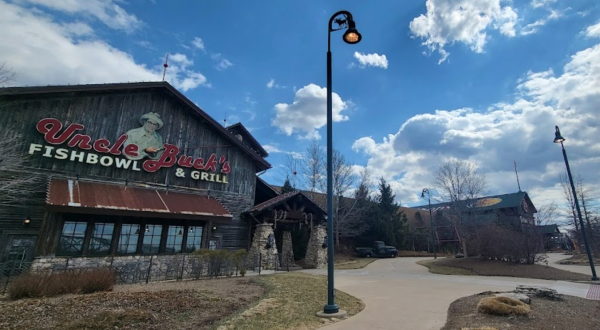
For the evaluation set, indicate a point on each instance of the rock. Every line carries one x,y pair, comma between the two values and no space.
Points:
459,255
541,292
517,296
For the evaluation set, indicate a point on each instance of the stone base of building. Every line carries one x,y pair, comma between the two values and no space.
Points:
316,254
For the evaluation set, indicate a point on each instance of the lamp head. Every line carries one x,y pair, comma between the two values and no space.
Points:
26,221
557,137
352,36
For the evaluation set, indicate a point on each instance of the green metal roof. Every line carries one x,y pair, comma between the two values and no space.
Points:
486,203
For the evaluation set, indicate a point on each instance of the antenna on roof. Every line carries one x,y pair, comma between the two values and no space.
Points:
166,65
517,174
225,120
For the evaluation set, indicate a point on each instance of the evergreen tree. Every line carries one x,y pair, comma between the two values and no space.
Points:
287,186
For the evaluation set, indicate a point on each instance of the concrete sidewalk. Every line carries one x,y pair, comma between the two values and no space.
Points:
400,294
554,258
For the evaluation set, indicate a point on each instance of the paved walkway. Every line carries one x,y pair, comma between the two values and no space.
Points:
400,294
554,258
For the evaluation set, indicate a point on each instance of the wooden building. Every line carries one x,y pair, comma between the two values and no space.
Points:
121,170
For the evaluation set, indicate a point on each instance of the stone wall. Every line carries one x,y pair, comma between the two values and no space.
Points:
268,255
316,255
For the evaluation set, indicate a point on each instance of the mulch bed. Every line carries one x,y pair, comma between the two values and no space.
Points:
500,268
172,305
571,313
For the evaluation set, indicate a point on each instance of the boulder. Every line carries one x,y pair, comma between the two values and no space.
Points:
517,296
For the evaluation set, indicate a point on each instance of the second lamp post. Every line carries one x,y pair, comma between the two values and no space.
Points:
430,220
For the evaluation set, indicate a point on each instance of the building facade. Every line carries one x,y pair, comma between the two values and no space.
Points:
118,171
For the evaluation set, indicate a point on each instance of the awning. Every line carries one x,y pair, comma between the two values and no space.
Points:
77,196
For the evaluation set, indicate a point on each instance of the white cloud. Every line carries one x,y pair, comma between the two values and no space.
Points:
493,138
308,112
222,63
541,3
275,150
375,60
42,51
532,27
251,114
198,43
464,21
273,84
106,11
593,30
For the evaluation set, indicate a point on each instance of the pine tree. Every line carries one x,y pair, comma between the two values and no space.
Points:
287,186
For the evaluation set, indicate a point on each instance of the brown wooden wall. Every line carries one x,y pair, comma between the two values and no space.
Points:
109,115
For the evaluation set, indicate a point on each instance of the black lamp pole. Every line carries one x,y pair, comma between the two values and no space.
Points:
430,220
559,139
344,21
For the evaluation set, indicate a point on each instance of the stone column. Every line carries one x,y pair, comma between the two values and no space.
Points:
269,257
316,255
287,257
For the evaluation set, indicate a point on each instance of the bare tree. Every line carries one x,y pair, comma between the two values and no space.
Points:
289,170
458,182
570,211
313,167
547,214
7,75
350,213
15,183
585,197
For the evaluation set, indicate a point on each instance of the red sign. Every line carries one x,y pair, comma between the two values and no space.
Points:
53,132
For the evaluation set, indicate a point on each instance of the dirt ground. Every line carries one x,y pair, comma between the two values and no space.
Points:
572,313
500,268
167,305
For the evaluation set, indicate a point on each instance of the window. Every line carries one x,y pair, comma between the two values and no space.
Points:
174,239
128,239
151,242
194,239
71,239
101,239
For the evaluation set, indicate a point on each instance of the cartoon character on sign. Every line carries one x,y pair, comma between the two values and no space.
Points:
150,143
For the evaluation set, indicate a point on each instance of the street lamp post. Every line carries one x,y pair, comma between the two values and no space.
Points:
430,220
559,139
344,20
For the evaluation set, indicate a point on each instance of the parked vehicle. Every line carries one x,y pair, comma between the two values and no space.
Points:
379,249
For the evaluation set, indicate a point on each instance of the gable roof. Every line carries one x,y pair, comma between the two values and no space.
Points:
164,86
282,198
238,128
487,203
548,229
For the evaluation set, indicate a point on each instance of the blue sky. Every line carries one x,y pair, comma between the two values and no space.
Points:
483,81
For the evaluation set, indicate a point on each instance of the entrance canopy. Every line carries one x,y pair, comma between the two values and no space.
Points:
291,208
74,196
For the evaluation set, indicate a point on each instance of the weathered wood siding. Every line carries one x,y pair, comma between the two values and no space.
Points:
109,114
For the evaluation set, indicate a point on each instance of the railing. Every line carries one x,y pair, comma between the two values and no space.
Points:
155,269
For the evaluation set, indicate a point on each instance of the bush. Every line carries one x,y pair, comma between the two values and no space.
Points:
71,281
507,244
216,261
503,306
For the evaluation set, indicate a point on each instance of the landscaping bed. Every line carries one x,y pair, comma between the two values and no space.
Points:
478,266
168,305
268,302
569,313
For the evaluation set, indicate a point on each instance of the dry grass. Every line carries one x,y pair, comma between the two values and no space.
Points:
291,303
502,306
421,254
579,260
47,285
477,266
435,268
353,263
479,328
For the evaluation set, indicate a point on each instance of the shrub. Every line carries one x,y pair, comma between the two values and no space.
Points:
508,244
503,306
237,259
71,281
216,260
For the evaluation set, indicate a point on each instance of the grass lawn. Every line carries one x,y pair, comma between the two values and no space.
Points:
292,301
477,266
281,301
